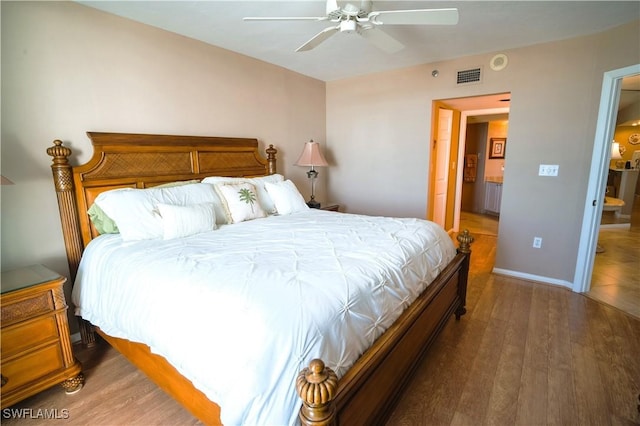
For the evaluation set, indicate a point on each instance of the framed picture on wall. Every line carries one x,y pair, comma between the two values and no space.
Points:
497,147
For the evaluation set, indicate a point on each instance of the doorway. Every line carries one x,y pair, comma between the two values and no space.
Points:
613,277
470,110
598,175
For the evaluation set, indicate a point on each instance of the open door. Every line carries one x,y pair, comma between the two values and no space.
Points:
444,156
607,113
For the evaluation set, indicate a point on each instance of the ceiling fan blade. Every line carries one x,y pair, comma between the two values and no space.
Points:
285,18
382,40
318,38
415,17
332,6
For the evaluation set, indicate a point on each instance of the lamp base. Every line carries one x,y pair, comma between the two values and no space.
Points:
313,204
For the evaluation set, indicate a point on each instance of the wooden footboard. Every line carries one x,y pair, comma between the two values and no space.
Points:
368,392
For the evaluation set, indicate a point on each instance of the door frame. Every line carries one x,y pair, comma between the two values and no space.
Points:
594,200
461,149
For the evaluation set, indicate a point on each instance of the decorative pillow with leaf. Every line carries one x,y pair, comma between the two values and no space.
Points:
263,196
240,201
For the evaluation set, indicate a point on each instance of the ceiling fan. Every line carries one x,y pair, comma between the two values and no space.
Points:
358,17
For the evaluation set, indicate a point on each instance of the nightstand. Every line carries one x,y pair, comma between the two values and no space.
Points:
332,207
36,345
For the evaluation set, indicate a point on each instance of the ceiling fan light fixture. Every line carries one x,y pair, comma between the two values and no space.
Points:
348,26
356,16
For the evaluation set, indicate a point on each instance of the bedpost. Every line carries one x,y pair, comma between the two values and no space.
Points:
271,159
317,387
63,180
464,239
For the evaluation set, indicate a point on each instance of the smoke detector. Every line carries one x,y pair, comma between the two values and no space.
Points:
499,62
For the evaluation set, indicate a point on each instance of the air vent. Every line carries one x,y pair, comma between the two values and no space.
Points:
469,76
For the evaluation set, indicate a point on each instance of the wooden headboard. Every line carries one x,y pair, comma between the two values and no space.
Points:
127,160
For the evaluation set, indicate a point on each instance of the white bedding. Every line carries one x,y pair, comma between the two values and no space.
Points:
231,308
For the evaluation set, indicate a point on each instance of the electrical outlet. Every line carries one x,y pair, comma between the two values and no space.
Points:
537,242
548,170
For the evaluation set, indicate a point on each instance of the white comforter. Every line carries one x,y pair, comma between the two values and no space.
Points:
241,310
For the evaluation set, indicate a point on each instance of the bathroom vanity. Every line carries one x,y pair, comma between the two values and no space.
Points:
492,194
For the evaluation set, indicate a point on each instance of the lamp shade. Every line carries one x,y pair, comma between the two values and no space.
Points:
615,151
311,155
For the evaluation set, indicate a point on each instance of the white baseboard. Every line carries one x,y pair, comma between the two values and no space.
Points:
616,226
531,277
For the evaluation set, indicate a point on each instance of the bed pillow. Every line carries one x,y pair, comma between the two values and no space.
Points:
183,221
105,225
135,210
286,197
177,183
101,221
240,201
263,196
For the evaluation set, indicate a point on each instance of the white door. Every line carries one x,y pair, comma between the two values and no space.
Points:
441,181
607,114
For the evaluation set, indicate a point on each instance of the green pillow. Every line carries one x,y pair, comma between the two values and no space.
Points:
103,223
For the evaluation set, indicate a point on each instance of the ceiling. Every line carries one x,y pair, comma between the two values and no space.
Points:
483,27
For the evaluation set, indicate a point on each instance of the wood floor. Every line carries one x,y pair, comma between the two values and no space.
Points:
616,270
524,354
527,354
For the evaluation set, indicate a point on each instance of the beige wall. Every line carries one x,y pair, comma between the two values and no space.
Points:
378,129
68,69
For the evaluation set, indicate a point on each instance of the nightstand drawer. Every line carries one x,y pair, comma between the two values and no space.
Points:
16,339
31,367
27,308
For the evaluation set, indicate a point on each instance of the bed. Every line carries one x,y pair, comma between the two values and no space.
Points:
360,388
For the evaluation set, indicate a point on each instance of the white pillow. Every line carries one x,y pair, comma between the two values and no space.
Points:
258,182
286,197
240,201
182,221
135,210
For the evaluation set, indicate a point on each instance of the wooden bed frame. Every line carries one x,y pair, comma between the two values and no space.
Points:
367,393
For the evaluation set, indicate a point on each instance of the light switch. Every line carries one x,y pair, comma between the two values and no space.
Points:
548,170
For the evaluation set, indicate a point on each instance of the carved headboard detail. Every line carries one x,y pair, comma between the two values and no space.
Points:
128,160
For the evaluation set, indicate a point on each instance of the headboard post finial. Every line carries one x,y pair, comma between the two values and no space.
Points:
271,159
61,168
